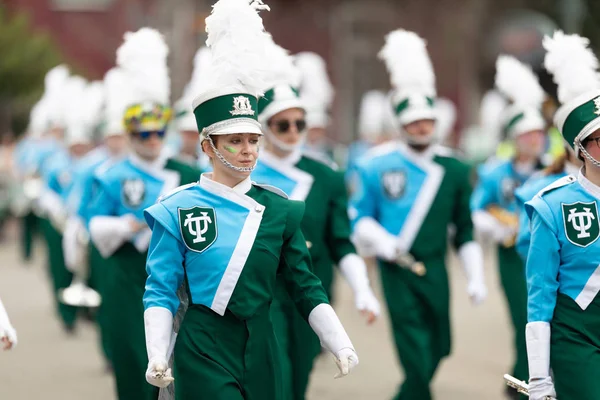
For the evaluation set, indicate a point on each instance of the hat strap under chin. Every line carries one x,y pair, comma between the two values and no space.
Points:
225,162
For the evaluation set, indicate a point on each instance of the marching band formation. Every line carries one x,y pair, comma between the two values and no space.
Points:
203,239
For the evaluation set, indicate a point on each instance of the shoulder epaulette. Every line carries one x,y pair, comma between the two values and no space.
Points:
176,190
565,180
271,189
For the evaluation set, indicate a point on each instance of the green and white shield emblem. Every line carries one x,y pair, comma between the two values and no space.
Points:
198,226
133,191
581,223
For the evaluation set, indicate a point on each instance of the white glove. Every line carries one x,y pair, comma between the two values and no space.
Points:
471,258
158,325
109,233
325,323
491,228
346,359
158,373
354,270
8,336
369,234
539,389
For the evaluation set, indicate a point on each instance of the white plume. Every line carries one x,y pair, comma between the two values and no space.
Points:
281,63
408,63
94,103
39,118
118,96
316,89
143,57
371,115
572,63
517,81
54,83
74,109
238,43
202,62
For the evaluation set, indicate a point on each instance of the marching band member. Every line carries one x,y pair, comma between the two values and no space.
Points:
325,225
227,239
493,202
562,264
122,192
408,193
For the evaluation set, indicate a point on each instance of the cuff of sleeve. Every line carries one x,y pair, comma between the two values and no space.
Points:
538,349
326,324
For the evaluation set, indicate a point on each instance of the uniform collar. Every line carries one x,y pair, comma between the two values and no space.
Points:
428,153
291,159
241,188
587,185
151,167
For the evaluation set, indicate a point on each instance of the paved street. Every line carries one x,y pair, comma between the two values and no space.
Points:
49,365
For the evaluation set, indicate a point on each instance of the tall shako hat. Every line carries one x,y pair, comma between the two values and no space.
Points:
227,99
575,70
520,85
316,90
281,91
411,74
143,59
184,114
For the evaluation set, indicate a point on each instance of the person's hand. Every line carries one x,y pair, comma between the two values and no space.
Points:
346,359
477,291
541,389
368,305
8,338
158,373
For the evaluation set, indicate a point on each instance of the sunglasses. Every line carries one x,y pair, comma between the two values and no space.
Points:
145,135
284,126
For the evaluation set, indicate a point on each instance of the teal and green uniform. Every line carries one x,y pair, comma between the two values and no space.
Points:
326,227
230,247
416,197
562,282
126,189
496,187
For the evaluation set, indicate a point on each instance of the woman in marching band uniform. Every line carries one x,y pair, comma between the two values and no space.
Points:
562,264
226,239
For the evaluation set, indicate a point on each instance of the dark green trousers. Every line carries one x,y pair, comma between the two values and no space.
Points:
225,358
100,270
29,228
514,285
60,276
124,318
419,312
575,349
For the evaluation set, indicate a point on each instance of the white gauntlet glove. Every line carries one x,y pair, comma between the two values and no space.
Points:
158,324
369,234
538,354
8,335
354,270
471,259
333,337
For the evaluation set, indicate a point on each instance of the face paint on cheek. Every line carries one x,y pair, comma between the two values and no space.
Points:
230,149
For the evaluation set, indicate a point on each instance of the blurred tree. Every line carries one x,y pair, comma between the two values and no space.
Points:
25,57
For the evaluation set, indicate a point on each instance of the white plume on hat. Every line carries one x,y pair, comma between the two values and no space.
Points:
408,63
202,62
74,109
572,63
316,90
237,40
372,114
446,118
118,96
517,81
54,84
143,58
38,118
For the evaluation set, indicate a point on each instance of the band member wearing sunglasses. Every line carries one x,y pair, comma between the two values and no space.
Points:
122,192
409,192
325,224
493,202
227,239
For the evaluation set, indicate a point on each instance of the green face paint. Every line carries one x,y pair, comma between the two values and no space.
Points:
230,149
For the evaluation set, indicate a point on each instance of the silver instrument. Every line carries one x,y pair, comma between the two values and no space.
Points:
520,386
406,260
